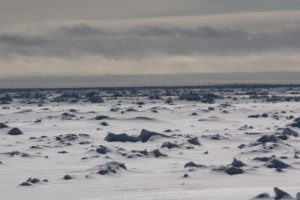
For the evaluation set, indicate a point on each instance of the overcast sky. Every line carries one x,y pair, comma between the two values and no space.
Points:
96,37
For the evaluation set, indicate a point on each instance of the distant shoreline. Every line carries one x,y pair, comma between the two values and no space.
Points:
138,81
217,86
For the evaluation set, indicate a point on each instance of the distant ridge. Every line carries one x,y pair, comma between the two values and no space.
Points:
152,80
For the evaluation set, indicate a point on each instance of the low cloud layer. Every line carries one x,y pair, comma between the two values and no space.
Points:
154,46
146,41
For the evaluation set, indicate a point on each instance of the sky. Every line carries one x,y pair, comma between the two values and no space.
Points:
117,37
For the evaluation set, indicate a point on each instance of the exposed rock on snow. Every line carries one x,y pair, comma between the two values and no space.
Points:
169,145
101,117
2,125
263,196
15,131
277,164
237,163
296,123
265,139
233,170
104,123
146,135
194,141
102,150
33,181
158,154
123,137
68,177
192,164
95,99
280,194
290,132
111,168
67,116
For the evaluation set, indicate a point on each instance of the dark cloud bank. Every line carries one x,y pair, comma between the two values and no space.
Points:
145,41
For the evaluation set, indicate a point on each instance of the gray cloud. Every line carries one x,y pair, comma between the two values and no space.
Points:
94,37
146,41
17,11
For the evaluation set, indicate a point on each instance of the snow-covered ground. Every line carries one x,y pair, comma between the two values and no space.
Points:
46,151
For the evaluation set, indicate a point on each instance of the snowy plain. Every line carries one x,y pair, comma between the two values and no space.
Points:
221,127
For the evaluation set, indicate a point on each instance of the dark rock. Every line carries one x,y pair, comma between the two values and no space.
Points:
139,153
67,116
17,153
103,172
170,145
38,121
190,97
145,135
264,159
185,176
58,138
209,98
131,110
267,138
211,108
35,180
30,182
264,196
192,164
280,194
145,118
169,100
194,141
111,168
221,168
274,163
298,196
252,133
25,184
158,154
68,177
283,137
84,142
254,116
2,125
102,150
296,123
140,103
101,117
68,138
237,163
214,137
104,123
154,97
123,137
95,99
15,131
290,132
234,171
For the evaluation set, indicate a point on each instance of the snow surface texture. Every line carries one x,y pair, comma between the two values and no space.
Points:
232,145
